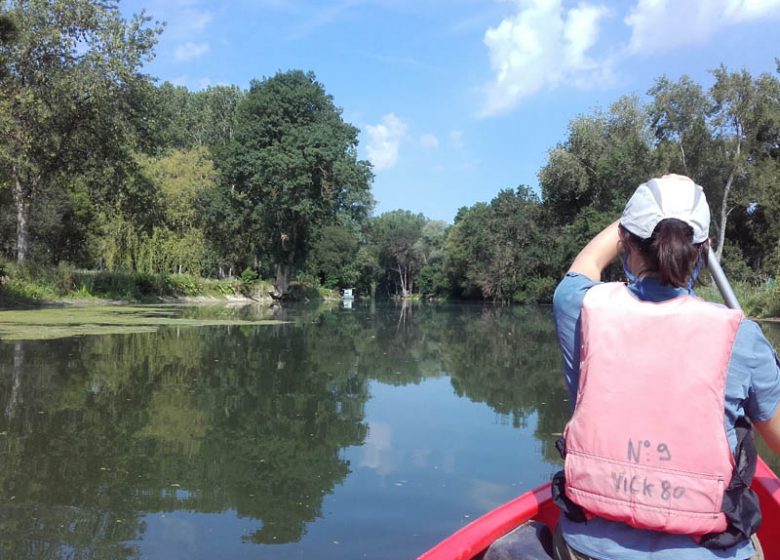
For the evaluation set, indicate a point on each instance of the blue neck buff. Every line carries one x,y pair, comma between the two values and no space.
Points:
632,279
629,275
695,275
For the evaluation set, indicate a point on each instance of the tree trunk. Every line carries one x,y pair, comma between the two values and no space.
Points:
15,396
22,199
403,315
723,217
283,268
724,205
282,278
402,280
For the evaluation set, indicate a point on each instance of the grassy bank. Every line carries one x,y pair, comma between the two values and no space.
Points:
52,322
31,284
762,302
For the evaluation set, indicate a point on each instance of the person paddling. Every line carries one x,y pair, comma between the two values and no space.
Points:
659,453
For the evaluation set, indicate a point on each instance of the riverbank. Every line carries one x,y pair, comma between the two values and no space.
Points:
34,286
758,302
47,323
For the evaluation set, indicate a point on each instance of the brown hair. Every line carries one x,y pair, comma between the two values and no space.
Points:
669,252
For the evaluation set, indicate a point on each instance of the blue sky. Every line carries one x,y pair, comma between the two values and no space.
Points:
457,99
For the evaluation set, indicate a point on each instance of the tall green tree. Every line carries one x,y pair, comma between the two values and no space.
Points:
432,279
678,116
605,156
68,94
181,179
184,119
724,139
590,175
294,159
333,256
466,249
499,250
397,235
745,126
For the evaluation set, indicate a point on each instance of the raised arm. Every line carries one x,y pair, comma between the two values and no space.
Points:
770,432
598,253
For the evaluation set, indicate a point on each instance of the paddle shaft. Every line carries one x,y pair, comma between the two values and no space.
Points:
721,281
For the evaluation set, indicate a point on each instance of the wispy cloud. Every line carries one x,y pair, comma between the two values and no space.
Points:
407,61
384,141
540,47
190,51
456,139
545,45
429,141
664,25
186,21
183,17
194,21
323,16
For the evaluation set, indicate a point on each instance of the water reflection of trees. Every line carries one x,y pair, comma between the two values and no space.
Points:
97,431
508,358
105,428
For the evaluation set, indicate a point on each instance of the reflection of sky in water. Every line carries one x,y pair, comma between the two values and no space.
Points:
426,428
431,463
377,451
184,535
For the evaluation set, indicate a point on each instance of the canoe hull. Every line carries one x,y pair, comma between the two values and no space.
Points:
470,541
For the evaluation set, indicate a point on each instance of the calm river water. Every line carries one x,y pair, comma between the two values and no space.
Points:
369,432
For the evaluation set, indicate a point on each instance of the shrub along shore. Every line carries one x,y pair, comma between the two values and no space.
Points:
35,285
758,302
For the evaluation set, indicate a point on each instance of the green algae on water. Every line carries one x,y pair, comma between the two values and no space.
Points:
61,322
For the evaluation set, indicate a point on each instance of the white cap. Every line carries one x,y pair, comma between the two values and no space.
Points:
671,196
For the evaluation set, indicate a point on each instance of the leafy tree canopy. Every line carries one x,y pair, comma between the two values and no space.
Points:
295,161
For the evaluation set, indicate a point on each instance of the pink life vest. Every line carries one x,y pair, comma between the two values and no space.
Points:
647,443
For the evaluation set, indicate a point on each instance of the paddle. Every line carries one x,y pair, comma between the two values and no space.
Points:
721,281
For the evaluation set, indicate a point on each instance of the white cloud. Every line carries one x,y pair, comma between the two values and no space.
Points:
204,83
540,47
194,21
183,17
384,141
429,141
456,139
747,10
190,51
663,25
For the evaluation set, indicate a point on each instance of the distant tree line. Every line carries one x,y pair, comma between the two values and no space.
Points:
103,169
